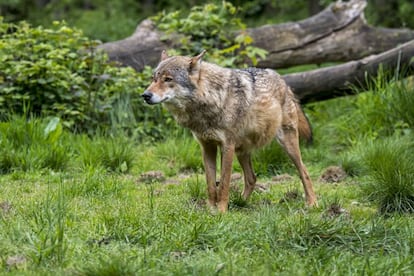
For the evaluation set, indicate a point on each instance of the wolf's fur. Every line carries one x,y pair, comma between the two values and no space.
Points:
235,110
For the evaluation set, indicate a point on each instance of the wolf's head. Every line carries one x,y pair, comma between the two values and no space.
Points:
174,79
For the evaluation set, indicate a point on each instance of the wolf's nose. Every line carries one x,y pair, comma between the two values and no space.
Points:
147,96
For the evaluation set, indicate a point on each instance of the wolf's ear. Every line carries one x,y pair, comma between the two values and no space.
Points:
195,61
164,55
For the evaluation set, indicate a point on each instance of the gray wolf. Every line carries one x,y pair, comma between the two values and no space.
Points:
233,110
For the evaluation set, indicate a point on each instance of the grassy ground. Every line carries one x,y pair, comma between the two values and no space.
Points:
92,208
96,223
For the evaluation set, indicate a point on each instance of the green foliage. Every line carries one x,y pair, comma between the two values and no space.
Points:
210,27
378,13
58,72
390,165
99,19
272,12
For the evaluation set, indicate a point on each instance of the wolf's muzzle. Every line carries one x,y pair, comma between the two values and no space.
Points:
147,95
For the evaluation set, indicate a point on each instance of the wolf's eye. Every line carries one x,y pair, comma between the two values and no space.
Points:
167,79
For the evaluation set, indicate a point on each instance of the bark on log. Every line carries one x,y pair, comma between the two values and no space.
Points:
338,33
143,48
340,80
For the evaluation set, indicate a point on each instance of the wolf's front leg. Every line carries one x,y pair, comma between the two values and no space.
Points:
227,153
209,158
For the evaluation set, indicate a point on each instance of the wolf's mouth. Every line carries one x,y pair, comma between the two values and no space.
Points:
152,99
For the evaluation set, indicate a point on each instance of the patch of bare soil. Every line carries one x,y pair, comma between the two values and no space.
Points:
290,196
336,210
236,177
152,176
177,180
16,261
333,174
262,188
282,178
199,203
5,207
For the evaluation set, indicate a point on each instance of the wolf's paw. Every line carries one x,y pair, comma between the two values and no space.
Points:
312,202
211,207
222,207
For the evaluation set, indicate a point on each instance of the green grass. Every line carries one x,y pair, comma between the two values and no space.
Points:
126,229
390,166
86,211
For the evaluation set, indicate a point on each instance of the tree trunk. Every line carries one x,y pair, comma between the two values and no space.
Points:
143,48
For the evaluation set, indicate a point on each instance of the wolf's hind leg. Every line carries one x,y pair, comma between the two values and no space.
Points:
249,176
209,159
288,137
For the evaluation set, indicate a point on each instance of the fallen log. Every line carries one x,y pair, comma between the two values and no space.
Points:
338,33
340,80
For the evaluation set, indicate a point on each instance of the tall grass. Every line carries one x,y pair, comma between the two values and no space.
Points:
402,102
182,153
196,188
108,266
25,144
114,153
32,144
48,226
390,165
344,123
271,160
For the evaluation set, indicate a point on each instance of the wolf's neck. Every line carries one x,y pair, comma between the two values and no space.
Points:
212,81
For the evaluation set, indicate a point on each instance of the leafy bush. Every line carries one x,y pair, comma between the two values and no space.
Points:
210,27
58,72
390,165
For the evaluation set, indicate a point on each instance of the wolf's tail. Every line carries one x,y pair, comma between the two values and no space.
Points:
304,127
